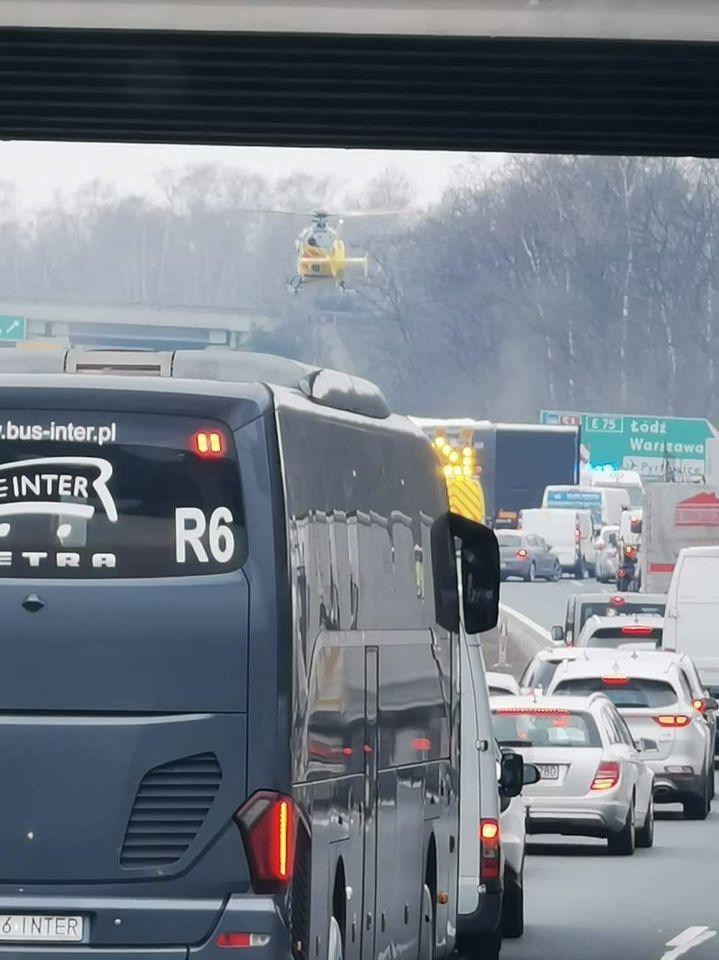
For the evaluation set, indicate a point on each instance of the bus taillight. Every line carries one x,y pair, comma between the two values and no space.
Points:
267,825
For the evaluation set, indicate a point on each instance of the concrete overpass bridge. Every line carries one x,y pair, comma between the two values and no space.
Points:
574,76
82,324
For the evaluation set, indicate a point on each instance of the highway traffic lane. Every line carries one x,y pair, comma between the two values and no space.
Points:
546,603
582,904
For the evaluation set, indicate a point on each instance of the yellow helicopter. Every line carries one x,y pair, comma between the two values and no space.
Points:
321,254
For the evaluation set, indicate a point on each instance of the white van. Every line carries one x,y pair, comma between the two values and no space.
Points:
570,534
691,618
606,504
491,827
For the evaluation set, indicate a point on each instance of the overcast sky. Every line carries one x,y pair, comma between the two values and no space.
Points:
39,170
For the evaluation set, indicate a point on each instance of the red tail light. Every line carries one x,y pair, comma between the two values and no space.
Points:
672,720
267,824
606,777
617,601
615,681
637,631
488,850
698,705
521,554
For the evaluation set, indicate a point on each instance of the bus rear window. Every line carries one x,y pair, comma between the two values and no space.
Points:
117,495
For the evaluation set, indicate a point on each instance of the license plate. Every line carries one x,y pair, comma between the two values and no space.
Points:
548,771
41,929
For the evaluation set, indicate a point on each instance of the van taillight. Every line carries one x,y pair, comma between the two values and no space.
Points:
267,824
488,850
577,534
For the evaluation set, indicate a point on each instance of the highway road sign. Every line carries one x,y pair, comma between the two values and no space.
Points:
656,447
12,328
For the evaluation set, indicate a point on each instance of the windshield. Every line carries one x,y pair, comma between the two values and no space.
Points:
624,692
546,728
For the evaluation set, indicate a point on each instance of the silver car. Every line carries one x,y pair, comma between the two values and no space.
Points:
652,694
594,779
528,556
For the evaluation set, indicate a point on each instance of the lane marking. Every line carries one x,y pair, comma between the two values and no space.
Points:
526,622
687,940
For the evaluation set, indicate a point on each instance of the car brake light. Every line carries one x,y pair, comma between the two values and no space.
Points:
672,720
530,712
606,777
637,631
698,705
267,825
617,601
521,554
488,850
209,443
615,681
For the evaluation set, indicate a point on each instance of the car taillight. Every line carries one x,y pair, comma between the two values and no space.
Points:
267,825
672,720
698,705
606,777
617,601
488,850
521,554
615,681
636,631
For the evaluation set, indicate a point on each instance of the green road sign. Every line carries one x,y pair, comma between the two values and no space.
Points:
12,328
659,447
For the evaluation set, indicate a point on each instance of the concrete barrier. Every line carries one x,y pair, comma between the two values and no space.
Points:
514,641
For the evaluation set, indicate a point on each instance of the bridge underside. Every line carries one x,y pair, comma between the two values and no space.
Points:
422,92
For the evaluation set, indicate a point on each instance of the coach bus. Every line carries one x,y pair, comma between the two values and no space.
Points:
230,662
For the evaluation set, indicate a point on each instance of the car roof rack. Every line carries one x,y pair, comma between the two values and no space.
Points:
326,387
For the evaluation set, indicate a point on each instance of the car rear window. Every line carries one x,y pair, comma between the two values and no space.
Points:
615,637
624,693
509,540
541,674
545,727
619,608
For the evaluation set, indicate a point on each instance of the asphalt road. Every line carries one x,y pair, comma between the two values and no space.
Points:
545,603
582,904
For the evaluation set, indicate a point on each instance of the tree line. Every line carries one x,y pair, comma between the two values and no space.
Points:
563,282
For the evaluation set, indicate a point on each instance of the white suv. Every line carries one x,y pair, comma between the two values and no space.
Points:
653,695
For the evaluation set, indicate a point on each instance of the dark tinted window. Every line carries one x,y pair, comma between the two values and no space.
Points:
545,728
635,692
95,495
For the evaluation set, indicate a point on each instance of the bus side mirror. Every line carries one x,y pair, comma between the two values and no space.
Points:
557,634
511,778
479,552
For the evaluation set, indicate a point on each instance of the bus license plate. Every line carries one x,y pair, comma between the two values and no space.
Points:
41,929
548,771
